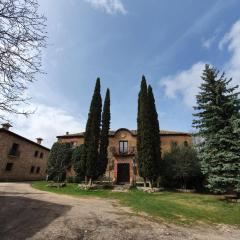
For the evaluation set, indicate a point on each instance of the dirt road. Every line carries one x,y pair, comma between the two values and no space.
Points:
27,213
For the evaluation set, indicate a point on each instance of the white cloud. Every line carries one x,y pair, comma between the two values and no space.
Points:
184,83
108,6
196,28
47,122
207,43
232,41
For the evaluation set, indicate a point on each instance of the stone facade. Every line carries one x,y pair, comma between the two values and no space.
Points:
21,159
122,166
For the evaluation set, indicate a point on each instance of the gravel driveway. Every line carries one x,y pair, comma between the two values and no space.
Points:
27,213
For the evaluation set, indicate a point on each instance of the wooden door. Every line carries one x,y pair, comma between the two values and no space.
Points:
123,175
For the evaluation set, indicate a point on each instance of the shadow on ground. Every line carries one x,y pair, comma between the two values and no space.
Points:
21,217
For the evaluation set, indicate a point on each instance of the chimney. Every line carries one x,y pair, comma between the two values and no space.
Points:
6,126
67,133
39,141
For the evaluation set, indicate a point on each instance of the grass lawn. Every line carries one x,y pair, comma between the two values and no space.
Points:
180,208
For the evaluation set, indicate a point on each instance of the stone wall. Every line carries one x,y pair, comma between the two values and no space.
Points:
168,140
24,160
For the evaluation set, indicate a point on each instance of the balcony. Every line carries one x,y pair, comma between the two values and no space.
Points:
131,151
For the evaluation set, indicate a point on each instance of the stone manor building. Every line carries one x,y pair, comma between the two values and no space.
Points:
122,166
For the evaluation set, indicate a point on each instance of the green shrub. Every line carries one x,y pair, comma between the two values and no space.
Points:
181,168
59,159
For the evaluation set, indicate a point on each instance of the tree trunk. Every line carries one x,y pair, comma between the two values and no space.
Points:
86,180
238,195
90,181
144,182
184,184
58,179
150,184
158,182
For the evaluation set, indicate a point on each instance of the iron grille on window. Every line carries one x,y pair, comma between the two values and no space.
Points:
123,147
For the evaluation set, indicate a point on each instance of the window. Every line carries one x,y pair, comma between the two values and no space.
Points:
38,170
185,143
32,169
73,144
41,155
14,151
36,154
123,146
9,167
174,144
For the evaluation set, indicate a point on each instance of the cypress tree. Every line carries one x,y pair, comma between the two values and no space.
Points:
217,119
142,98
155,133
92,134
103,152
148,140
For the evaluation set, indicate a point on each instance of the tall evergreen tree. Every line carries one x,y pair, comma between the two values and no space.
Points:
92,134
141,125
217,119
148,141
103,152
154,132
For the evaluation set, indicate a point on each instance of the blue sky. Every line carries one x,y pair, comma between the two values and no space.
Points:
119,40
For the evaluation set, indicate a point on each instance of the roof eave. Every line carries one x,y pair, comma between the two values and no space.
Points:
23,138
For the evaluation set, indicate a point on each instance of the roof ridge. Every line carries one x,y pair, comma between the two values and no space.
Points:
24,138
134,132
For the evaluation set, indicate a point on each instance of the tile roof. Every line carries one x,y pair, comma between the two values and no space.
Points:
133,132
23,138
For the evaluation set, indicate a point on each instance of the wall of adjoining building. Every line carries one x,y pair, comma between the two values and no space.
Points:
24,160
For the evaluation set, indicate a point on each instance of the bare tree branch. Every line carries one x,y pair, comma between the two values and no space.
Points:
22,37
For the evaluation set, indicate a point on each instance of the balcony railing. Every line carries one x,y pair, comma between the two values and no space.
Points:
129,152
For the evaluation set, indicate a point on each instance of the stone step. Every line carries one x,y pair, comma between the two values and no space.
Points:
121,188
